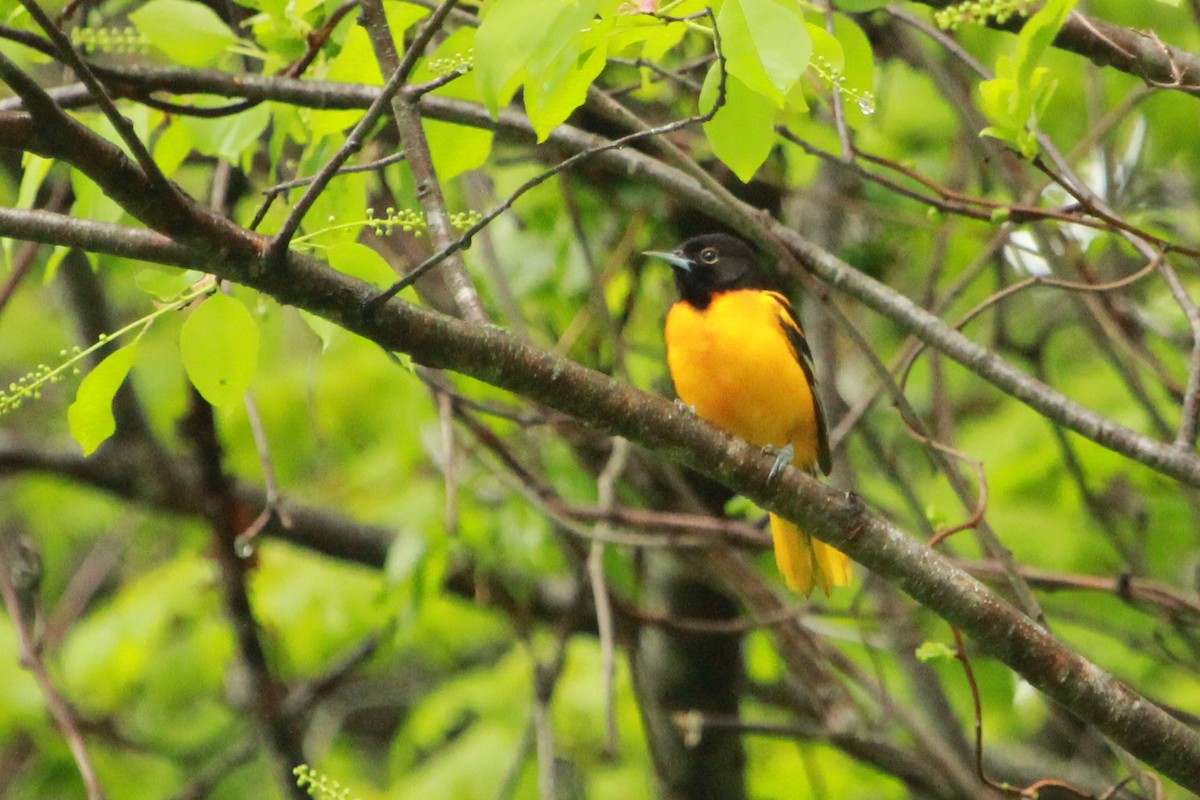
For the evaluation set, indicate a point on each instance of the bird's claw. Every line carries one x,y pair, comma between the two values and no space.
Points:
682,406
783,457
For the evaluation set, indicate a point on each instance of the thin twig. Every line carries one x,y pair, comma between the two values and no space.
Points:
445,404
354,142
410,126
1189,420
1030,791
991,543
464,241
270,478
981,505
1058,283
977,705
839,105
606,492
119,122
19,573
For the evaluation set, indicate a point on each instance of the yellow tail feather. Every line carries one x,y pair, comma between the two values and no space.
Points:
806,563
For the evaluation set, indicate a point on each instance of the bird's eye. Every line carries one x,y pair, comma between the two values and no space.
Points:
709,255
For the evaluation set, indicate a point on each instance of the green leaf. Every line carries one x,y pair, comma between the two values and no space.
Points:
404,557
1020,93
1037,35
766,45
188,33
354,63
164,284
55,261
552,95
655,37
827,50
362,262
400,17
90,417
743,508
173,146
515,34
743,131
92,203
930,652
506,35
343,203
571,21
219,347
139,116
859,67
323,328
35,170
228,138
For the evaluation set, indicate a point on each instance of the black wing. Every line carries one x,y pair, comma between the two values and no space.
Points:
795,335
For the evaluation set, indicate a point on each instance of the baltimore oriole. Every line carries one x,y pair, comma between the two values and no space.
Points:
738,357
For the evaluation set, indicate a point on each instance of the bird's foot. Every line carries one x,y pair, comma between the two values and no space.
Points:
783,457
682,406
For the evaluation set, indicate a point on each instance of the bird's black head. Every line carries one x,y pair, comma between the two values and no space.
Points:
709,264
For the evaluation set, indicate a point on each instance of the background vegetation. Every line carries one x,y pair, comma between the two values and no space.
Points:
253,515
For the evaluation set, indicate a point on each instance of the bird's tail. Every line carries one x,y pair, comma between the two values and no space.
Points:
805,562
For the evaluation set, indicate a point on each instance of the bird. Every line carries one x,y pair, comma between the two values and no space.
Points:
739,358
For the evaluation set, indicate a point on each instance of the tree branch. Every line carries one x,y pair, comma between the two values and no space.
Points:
412,133
1139,53
227,521
1163,457
496,357
492,355
20,573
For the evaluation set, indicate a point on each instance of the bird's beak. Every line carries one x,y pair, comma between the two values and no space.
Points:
674,259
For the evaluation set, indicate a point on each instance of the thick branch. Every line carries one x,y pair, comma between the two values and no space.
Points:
47,227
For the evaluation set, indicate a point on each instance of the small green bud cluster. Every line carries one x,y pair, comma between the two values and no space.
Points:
30,385
318,786
110,40
462,220
864,99
459,62
977,12
407,219
411,221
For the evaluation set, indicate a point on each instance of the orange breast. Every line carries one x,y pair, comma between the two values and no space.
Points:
734,364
